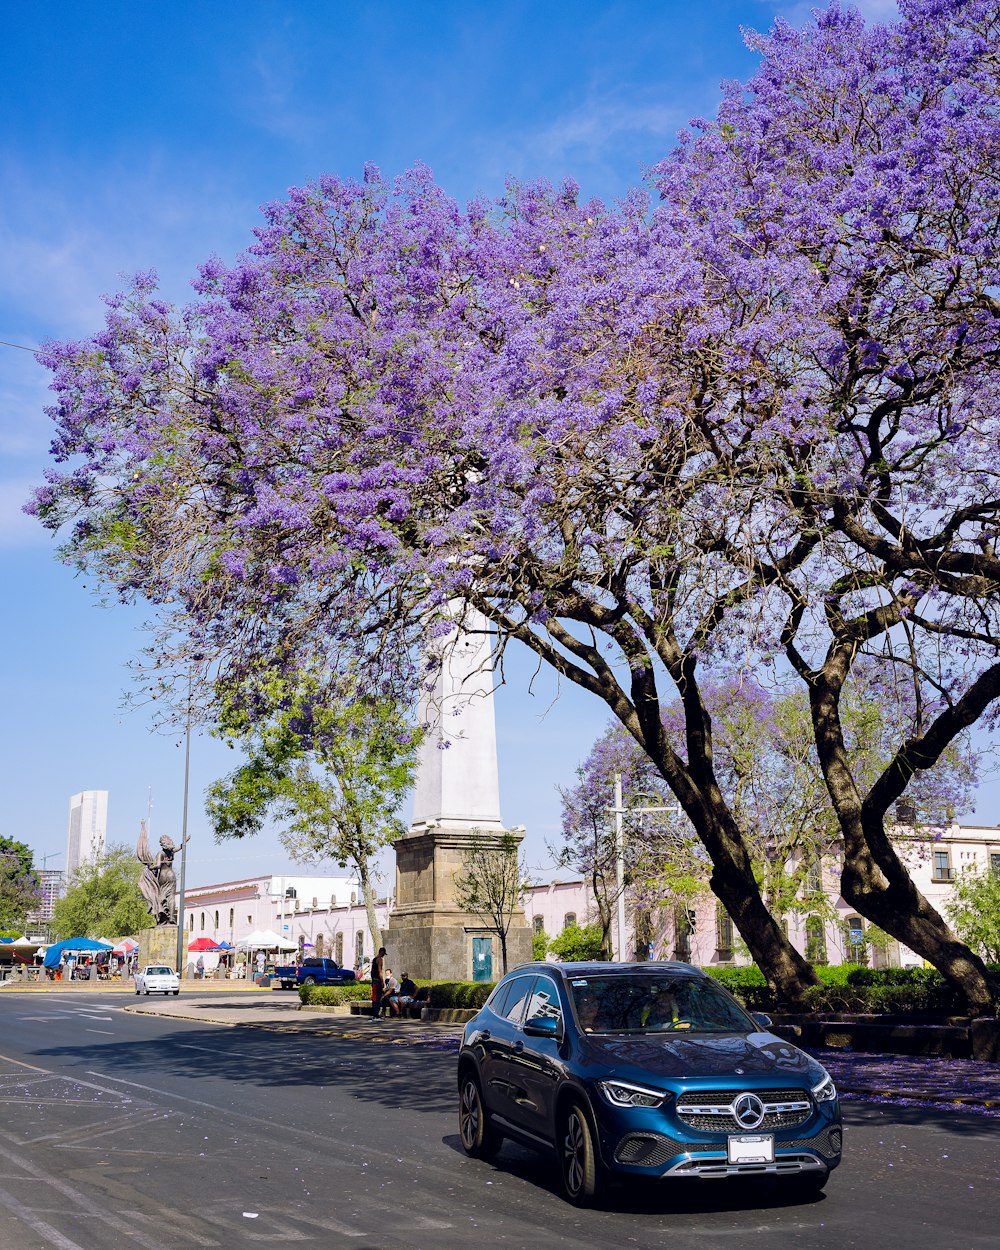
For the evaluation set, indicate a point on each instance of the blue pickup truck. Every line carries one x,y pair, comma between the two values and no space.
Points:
313,971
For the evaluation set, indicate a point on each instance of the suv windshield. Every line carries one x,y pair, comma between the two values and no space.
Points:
655,1004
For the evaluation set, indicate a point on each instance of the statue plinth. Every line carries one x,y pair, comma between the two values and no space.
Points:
429,935
158,946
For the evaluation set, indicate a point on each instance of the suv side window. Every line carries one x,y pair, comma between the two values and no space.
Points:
544,1000
496,1000
514,1004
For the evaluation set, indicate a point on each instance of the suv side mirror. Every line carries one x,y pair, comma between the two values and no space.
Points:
543,1026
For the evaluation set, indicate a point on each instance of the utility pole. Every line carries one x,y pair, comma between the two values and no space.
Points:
619,868
181,952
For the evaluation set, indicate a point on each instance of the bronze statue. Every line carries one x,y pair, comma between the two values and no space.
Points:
157,881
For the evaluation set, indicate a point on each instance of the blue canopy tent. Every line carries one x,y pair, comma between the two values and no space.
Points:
53,956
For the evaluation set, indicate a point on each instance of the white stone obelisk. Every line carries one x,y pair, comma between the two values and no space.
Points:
456,802
457,783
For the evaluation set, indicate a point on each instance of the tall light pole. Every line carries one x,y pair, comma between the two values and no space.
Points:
619,812
181,952
619,868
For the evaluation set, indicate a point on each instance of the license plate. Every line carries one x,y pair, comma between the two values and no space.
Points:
752,1148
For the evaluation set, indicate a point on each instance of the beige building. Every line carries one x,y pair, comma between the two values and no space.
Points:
702,933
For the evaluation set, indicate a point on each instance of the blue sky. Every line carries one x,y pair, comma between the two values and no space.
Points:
141,136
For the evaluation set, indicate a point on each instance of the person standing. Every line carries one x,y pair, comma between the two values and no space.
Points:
378,983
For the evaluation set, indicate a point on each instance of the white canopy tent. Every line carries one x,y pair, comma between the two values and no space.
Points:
264,940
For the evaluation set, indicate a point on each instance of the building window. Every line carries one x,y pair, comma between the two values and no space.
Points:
723,933
816,940
232,916
202,925
995,864
942,866
814,875
359,948
857,947
568,919
683,928
536,925
338,948
216,921
249,919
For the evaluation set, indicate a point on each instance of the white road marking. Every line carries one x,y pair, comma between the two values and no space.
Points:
106,1032
52,1235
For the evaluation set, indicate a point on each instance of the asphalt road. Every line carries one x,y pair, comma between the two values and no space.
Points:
121,1131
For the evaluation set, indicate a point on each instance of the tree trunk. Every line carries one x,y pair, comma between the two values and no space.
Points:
874,880
787,973
882,891
502,934
364,878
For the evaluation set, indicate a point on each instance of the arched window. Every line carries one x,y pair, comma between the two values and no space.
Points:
232,916
216,921
683,928
536,925
359,948
202,925
338,948
816,940
854,933
568,919
723,934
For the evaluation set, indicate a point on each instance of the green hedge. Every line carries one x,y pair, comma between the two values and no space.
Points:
850,988
335,995
460,993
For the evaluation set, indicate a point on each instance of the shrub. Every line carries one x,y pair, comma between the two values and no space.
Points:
577,943
460,993
335,995
746,984
539,946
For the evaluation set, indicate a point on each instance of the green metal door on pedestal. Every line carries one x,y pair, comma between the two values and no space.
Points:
482,959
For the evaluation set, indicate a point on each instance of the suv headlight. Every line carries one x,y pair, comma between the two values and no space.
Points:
624,1094
825,1091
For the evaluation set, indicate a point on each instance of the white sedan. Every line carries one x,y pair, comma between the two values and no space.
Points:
157,979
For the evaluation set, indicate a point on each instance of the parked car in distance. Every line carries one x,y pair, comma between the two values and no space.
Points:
313,970
157,979
642,1070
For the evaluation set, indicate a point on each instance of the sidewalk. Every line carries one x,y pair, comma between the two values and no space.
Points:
945,1084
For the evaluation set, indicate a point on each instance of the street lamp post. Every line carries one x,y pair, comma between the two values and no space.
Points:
619,813
181,952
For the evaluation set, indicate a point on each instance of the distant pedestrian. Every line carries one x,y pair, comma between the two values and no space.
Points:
199,968
378,983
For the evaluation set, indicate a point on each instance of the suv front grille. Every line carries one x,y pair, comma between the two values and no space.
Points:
710,1111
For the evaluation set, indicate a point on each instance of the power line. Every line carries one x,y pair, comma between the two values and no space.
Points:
20,347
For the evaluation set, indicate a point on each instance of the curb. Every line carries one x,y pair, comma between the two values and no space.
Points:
915,1095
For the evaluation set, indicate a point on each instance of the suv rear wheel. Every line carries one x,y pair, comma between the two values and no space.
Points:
479,1138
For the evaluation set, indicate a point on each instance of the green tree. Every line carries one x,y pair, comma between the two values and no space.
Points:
332,767
579,942
975,912
539,945
491,883
103,898
19,888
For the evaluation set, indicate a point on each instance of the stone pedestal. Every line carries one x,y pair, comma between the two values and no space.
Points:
158,946
428,935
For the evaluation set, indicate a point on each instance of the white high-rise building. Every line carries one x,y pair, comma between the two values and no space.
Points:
88,828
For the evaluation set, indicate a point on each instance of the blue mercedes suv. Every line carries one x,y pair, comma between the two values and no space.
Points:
642,1070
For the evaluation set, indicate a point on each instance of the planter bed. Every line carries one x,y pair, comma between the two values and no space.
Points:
952,1037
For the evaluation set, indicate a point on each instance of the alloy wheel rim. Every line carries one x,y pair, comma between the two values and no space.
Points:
573,1153
470,1114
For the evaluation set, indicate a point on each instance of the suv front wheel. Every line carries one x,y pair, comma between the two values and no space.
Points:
577,1158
